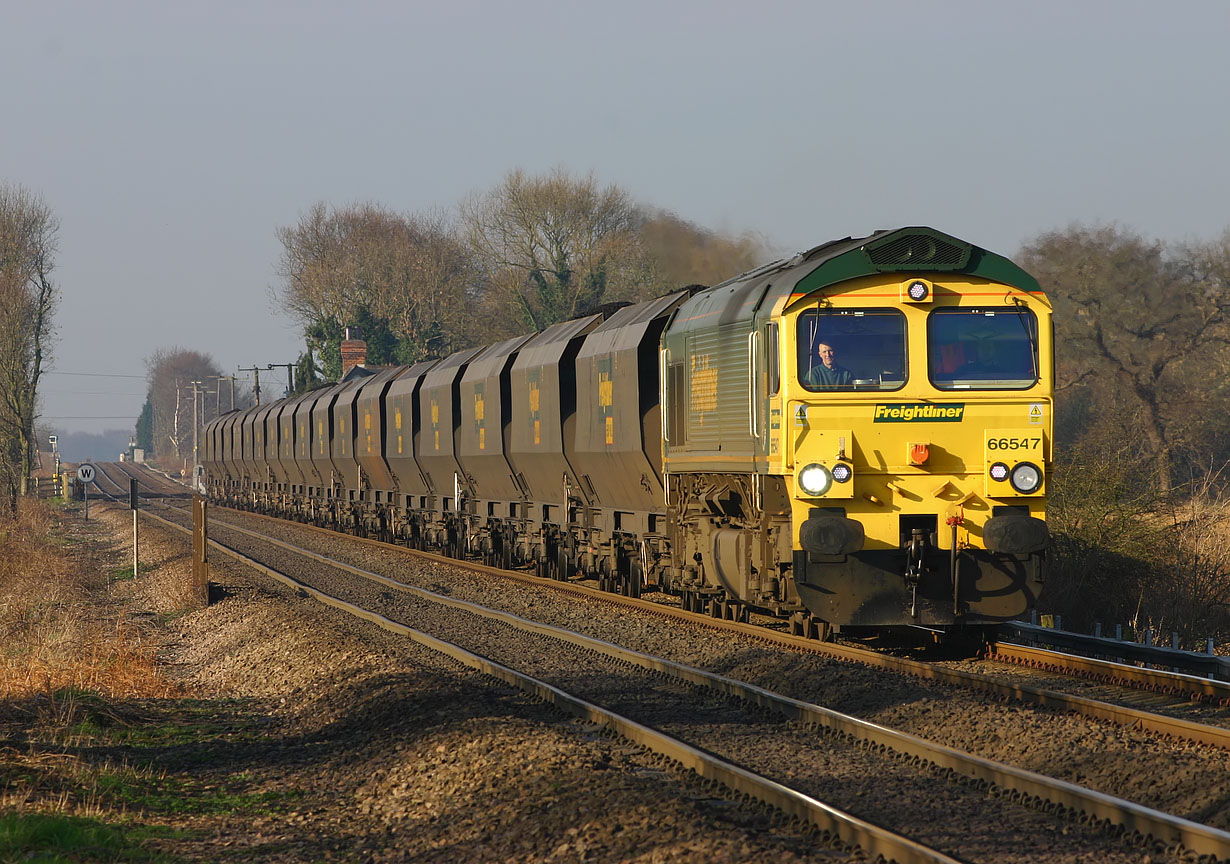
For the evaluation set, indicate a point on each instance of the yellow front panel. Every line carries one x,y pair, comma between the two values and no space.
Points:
886,432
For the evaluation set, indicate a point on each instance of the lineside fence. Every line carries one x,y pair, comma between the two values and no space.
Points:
1046,631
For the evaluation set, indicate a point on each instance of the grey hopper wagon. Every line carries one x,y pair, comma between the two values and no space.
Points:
401,428
266,435
440,414
369,437
617,453
246,440
287,463
544,415
323,432
482,434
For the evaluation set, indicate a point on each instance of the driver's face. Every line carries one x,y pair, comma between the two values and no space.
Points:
827,354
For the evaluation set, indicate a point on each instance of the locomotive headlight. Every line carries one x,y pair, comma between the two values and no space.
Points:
815,479
999,472
918,290
842,472
1026,478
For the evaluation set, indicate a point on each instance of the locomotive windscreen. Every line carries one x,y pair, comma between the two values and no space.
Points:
982,349
852,349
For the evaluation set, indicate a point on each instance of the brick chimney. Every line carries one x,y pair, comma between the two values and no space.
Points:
354,351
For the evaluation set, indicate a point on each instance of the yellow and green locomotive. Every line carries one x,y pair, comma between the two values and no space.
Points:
856,437
864,429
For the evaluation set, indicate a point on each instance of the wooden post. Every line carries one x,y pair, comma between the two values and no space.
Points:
200,542
132,503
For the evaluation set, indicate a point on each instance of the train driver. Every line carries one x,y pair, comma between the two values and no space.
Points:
827,373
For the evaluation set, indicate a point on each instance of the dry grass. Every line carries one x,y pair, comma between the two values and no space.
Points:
58,630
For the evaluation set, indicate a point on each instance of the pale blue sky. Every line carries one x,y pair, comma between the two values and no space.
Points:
172,139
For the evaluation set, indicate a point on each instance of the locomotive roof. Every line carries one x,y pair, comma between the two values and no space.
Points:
913,250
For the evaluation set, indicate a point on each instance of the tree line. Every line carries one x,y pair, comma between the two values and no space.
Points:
528,253
531,251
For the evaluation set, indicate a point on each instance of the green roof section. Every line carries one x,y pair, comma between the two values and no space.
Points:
916,251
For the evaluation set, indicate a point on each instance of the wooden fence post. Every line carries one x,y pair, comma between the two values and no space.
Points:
200,543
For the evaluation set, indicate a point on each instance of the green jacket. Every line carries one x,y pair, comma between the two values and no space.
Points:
822,376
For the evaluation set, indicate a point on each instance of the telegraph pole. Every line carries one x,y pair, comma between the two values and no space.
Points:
256,380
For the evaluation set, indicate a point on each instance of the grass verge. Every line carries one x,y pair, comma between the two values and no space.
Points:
54,838
102,758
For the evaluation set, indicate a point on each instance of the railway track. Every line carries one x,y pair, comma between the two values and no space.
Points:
632,684
1114,701
105,480
1132,718
1159,681
152,485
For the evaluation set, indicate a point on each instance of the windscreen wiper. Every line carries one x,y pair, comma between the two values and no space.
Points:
1029,334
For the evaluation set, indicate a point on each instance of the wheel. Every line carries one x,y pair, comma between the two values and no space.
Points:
636,578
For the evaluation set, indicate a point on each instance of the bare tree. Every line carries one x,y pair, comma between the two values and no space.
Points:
556,246
171,373
1142,332
683,253
404,279
28,300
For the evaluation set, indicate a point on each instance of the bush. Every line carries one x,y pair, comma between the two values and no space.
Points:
54,636
1124,553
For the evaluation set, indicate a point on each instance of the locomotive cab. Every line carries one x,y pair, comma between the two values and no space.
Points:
917,442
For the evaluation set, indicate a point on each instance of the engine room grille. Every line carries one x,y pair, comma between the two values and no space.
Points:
917,252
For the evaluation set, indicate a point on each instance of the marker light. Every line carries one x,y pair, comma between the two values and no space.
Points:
842,472
1026,478
999,472
815,479
918,290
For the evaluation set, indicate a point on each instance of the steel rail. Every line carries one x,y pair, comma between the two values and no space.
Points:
160,484
122,490
1146,821
1159,680
121,496
1182,730
873,839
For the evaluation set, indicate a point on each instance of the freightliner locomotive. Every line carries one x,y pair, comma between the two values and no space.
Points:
856,438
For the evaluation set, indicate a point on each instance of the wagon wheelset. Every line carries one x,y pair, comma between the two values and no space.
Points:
452,543
505,556
555,559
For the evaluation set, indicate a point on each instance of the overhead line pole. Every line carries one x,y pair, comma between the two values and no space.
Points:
290,375
218,393
256,380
